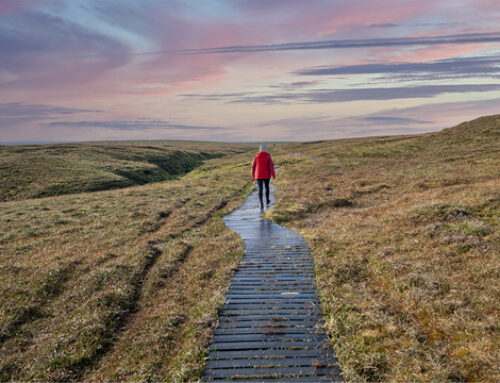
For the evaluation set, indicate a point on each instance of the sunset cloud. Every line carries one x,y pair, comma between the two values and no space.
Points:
454,67
467,38
349,95
19,109
40,50
387,120
15,114
138,124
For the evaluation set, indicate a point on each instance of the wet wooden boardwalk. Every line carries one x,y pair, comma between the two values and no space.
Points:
270,328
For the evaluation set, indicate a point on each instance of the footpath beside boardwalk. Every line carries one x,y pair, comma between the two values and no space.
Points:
271,327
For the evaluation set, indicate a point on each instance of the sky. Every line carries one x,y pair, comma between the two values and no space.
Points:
244,70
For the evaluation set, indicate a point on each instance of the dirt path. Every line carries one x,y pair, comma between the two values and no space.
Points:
270,327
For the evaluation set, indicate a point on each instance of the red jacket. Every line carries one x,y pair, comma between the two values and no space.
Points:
262,166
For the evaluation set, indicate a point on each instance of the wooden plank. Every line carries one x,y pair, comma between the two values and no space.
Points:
266,324
260,345
277,362
240,316
265,303
269,354
276,371
271,337
305,379
281,293
269,330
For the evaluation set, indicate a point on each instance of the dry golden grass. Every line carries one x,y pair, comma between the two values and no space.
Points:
33,171
118,285
406,237
125,285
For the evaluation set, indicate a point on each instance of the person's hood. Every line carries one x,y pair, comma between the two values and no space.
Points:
263,154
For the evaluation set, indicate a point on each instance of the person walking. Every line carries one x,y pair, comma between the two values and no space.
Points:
262,171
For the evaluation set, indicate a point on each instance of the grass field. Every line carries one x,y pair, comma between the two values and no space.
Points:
33,171
121,284
406,237
125,284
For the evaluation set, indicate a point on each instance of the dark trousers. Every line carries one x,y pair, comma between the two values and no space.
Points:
262,183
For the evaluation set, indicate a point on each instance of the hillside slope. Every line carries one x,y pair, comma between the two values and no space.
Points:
118,285
33,171
406,236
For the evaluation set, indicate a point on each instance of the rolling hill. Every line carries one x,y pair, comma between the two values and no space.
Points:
406,235
33,171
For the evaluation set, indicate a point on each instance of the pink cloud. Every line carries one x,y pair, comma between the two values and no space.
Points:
294,20
12,6
306,19
436,52
487,5
355,15
166,29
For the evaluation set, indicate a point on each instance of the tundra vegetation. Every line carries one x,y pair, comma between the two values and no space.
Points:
125,284
406,237
120,284
32,171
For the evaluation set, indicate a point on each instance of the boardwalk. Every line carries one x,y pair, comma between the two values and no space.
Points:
270,329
